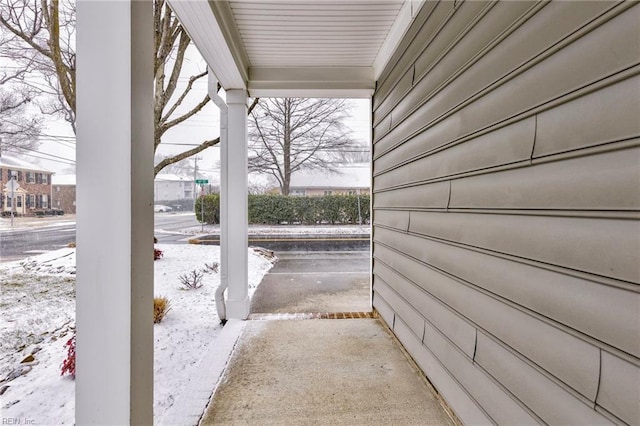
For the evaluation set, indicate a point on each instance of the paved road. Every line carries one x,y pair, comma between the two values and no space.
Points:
168,225
22,243
316,282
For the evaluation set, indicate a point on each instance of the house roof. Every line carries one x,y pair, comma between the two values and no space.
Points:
348,176
16,163
63,180
170,177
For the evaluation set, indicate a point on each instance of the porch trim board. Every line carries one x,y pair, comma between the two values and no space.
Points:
114,297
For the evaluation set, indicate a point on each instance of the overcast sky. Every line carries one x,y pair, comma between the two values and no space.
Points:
58,138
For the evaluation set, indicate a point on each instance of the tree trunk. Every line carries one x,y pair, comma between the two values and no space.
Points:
286,148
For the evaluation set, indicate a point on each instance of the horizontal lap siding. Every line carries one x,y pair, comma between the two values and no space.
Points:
506,197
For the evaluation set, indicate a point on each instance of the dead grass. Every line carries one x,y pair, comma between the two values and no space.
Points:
161,306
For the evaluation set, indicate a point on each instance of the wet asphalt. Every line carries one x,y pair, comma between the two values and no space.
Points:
316,282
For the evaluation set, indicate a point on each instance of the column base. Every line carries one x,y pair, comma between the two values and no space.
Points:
238,308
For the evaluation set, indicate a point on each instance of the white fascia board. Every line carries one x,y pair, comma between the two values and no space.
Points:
204,29
405,18
311,82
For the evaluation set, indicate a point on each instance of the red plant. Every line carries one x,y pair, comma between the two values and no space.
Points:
157,254
69,364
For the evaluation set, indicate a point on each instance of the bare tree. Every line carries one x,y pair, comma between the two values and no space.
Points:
181,168
41,39
19,128
356,154
290,134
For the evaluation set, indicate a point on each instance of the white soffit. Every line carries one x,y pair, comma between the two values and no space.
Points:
202,26
302,48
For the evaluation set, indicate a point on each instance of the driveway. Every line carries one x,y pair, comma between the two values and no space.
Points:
316,282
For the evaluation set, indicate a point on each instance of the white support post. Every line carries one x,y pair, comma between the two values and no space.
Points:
234,238
114,296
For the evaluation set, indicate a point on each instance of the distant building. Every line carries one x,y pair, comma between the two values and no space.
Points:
34,192
63,196
169,187
348,179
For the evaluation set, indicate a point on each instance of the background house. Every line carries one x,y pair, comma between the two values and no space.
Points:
34,193
63,195
349,179
172,187
180,191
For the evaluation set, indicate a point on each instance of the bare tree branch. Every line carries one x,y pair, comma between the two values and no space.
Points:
288,135
39,37
166,126
182,97
186,154
19,129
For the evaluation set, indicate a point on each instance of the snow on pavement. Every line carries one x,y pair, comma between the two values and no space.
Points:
29,222
38,305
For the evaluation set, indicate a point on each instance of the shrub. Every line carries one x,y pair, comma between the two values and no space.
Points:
277,209
161,306
157,254
211,267
211,209
69,363
192,280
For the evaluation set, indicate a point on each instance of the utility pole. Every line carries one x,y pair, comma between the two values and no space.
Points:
195,177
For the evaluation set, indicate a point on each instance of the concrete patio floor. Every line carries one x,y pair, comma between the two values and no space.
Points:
321,372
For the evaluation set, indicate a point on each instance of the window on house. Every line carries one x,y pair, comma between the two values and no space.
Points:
9,203
31,201
45,201
31,177
45,178
9,174
19,201
19,176
328,192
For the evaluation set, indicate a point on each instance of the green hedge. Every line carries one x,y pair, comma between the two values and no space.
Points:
280,209
211,208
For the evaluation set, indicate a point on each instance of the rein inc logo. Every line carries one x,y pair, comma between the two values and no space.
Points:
17,421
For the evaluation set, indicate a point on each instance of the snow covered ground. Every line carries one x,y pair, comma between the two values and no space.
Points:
38,312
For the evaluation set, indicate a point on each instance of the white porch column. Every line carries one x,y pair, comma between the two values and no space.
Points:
233,238
114,296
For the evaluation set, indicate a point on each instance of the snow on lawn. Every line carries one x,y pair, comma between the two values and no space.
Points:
38,313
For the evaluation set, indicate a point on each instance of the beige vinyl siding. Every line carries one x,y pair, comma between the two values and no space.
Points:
506,207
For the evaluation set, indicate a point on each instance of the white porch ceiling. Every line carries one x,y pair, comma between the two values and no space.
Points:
297,48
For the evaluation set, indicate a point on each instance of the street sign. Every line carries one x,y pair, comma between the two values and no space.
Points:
202,181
